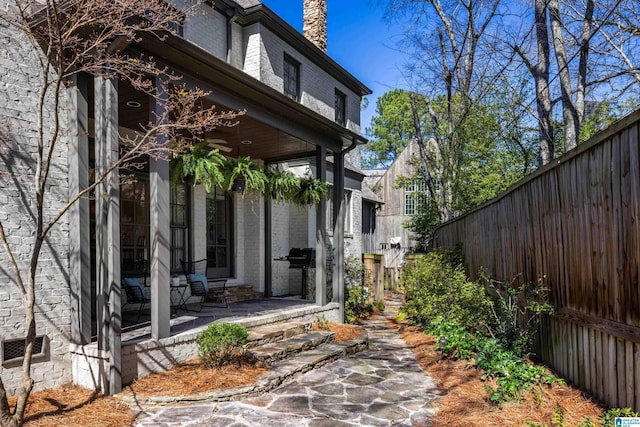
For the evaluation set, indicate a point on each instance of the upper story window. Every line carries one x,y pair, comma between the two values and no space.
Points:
291,78
414,194
341,108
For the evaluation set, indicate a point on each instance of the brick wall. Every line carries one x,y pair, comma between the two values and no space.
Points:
18,95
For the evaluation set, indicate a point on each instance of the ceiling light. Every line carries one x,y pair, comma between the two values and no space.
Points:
246,142
134,104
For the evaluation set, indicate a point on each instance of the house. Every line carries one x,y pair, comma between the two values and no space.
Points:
302,112
399,203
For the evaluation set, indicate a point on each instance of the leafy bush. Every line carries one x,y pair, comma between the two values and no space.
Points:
608,418
454,342
356,305
436,285
222,343
516,311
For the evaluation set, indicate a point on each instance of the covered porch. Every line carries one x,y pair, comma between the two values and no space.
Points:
126,226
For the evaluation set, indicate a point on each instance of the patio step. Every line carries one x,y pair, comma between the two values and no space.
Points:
271,333
268,354
239,293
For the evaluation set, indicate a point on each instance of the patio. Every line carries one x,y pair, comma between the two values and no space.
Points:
143,355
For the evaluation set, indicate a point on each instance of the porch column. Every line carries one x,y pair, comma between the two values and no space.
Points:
160,226
339,207
79,253
321,230
108,231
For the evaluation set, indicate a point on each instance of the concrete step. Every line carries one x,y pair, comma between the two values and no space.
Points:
275,332
268,354
244,296
239,289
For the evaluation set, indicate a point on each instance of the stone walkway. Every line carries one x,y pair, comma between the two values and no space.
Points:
382,386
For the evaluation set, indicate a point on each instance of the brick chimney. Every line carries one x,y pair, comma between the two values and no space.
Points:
315,23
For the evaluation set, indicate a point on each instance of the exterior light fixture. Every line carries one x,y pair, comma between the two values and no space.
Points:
134,104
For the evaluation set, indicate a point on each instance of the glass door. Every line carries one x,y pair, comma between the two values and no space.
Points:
219,234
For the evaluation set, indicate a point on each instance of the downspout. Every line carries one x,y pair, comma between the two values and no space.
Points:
231,18
338,224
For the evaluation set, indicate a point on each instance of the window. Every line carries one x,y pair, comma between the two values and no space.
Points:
219,234
341,108
179,225
291,78
414,194
134,221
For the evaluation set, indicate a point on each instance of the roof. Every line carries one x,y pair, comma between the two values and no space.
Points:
369,195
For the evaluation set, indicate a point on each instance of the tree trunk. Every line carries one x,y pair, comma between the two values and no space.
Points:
587,24
541,76
571,120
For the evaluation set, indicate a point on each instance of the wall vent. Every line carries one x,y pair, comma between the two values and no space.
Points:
13,351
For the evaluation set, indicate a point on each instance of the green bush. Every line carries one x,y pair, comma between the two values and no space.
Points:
516,310
222,343
436,285
608,418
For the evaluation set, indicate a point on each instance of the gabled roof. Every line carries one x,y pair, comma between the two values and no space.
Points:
253,11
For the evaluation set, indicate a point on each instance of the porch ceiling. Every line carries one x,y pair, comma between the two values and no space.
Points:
266,142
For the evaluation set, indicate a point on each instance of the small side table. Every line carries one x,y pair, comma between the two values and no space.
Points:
179,290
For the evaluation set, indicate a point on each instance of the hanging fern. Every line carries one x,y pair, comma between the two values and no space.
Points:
311,192
282,185
245,168
205,166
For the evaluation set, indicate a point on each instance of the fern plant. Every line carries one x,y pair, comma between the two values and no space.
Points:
205,166
245,168
282,185
311,192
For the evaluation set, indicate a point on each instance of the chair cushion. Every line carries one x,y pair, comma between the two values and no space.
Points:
200,278
135,283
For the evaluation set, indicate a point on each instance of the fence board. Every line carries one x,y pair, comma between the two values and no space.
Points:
575,222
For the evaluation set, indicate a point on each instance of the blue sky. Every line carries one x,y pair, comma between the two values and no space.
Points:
358,39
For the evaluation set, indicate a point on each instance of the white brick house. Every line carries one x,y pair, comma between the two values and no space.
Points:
238,50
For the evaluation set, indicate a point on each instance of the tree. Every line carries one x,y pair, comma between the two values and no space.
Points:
391,129
66,40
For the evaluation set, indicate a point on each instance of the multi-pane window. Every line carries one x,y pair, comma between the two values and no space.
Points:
134,222
414,194
179,225
340,108
291,78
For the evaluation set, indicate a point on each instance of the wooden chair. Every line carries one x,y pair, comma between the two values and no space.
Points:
201,286
135,286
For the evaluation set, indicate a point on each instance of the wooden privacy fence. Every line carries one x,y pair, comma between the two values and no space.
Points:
576,223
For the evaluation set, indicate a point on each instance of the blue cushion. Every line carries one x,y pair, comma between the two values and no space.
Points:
200,278
135,283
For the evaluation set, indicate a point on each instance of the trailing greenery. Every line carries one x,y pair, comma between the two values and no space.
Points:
212,169
222,343
310,192
282,185
436,286
356,305
607,419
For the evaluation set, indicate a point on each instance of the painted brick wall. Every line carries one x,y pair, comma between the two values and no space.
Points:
18,95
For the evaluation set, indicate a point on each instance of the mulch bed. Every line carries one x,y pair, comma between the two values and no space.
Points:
464,398
343,333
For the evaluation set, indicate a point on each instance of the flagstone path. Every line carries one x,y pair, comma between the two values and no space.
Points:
382,386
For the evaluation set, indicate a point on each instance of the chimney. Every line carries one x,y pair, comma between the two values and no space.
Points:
315,23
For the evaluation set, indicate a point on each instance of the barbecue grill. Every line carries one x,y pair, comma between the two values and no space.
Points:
303,259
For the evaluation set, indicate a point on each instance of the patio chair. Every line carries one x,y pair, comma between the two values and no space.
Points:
134,285
201,286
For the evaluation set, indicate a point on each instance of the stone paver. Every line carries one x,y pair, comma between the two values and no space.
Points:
382,386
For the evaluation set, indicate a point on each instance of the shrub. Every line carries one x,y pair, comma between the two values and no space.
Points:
356,305
435,285
222,343
516,311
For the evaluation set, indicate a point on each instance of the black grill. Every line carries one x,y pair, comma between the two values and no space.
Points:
301,258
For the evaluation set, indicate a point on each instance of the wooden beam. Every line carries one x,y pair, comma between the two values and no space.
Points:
321,230
339,211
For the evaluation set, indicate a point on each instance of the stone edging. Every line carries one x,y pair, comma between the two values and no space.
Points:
274,379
